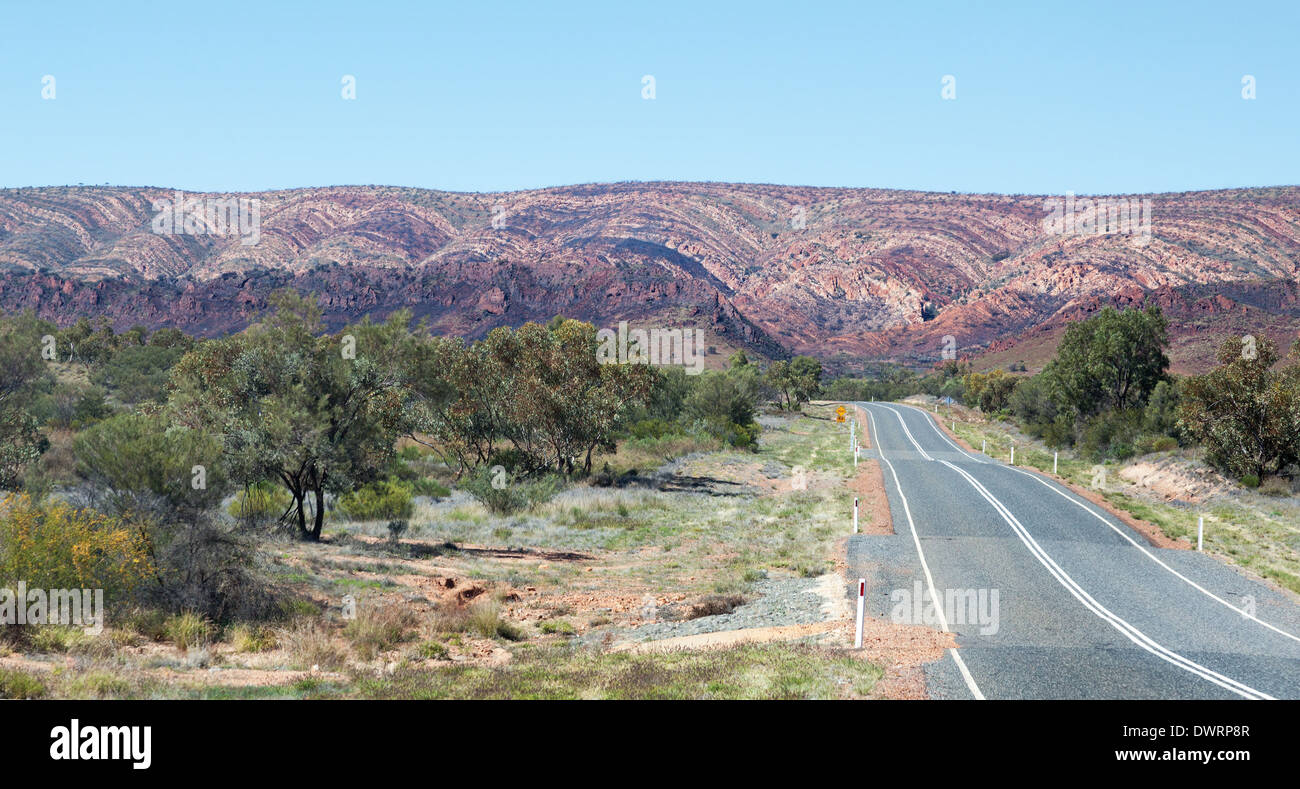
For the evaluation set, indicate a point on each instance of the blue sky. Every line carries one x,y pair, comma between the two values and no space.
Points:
1093,97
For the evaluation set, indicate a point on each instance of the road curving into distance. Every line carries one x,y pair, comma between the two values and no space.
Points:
1050,596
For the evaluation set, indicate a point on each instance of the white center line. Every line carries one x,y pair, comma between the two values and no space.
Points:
1121,532
1124,627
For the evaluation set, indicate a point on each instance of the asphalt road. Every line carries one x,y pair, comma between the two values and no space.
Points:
1074,603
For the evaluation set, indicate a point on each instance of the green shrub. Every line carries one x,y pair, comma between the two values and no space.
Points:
72,406
510,631
383,500
739,436
251,638
556,626
53,546
19,685
509,496
150,623
52,638
137,373
1032,405
432,650
724,403
299,608
510,459
1244,412
430,487
1161,414
651,428
98,685
260,504
188,630
990,392
485,619
1148,443
1250,480
1110,435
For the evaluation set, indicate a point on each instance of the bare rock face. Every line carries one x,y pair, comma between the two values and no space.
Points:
837,273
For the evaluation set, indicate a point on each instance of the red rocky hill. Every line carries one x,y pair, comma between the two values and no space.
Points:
838,273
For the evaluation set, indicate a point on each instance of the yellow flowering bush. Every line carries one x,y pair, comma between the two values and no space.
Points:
55,546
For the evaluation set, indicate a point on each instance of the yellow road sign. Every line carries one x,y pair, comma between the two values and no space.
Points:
839,414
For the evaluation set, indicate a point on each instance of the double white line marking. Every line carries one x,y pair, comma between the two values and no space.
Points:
1079,593
1131,632
1118,531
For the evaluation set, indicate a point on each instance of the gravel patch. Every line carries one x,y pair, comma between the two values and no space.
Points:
775,602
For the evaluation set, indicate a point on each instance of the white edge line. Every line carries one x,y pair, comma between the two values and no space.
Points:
1103,613
1063,494
1072,586
929,580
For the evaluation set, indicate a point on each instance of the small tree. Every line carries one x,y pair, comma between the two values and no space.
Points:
22,375
725,404
797,381
1110,361
1246,414
315,413
991,391
165,481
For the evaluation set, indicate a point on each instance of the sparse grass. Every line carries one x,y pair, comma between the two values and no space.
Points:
147,622
646,454
247,638
556,627
56,638
188,631
431,650
298,608
98,685
719,527
377,628
767,671
16,684
485,619
346,585
311,644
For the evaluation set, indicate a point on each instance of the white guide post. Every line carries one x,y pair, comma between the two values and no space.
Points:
862,598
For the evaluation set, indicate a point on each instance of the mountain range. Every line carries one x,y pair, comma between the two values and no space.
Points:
848,275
